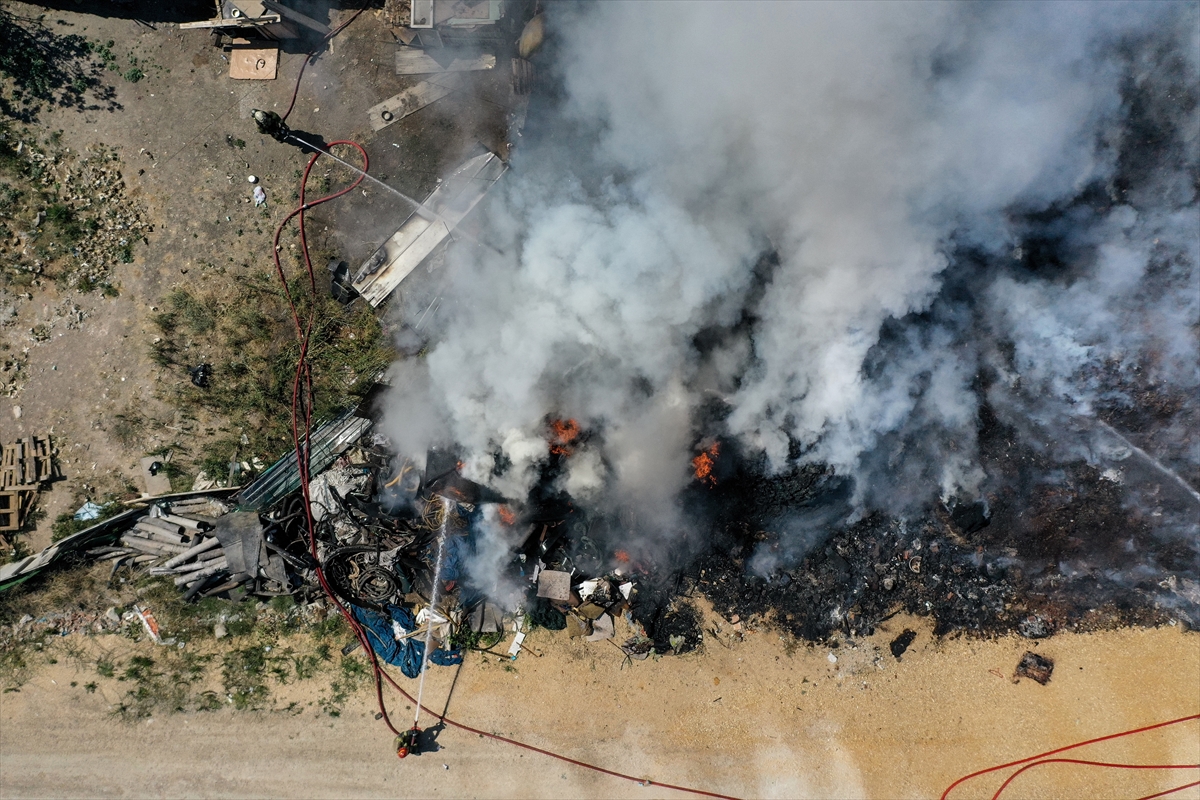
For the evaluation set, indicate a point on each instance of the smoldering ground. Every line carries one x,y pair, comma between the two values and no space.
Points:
892,243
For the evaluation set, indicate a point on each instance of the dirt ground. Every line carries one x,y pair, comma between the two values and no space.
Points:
756,718
749,719
176,132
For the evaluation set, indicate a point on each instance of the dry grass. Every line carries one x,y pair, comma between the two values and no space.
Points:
252,347
266,646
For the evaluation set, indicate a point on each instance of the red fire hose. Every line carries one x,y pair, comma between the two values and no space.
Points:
301,426
1041,758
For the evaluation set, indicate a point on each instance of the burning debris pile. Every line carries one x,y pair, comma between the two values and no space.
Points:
424,552
975,408
906,374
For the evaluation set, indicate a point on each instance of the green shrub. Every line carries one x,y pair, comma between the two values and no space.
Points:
65,524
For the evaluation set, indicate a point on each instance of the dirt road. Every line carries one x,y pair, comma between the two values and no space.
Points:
750,720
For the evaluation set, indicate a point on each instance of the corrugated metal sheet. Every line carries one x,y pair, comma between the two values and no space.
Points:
328,442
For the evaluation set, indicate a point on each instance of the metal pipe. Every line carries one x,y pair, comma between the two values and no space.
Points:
193,524
158,522
234,582
209,555
146,546
197,587
159,535
200,566
119,553
207,544
191,576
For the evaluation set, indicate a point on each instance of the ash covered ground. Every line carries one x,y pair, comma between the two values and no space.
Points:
1000,431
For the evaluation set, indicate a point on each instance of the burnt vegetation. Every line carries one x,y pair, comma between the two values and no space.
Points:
1058,539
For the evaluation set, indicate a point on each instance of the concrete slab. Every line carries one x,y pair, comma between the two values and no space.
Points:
157,483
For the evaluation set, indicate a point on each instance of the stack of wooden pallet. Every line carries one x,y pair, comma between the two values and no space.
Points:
25,465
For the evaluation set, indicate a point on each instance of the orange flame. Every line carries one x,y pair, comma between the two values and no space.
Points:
564,431
703,464
621,556
507,515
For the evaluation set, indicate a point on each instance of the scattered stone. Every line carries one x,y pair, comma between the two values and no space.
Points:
219,631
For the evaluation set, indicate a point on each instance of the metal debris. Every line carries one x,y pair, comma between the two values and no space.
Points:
419,236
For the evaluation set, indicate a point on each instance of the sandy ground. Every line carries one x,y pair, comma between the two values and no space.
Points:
747,720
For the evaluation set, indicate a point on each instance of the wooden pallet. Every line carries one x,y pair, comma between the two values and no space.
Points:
40,459
11,511
24,466
12,465
27,462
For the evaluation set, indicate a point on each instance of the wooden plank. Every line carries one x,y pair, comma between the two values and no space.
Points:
29,462
413,99
413,61
240,22
296,16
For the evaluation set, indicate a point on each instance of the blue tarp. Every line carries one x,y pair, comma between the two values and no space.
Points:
408,654
89,511
458,549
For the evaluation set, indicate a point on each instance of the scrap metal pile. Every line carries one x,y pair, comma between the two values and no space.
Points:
377,525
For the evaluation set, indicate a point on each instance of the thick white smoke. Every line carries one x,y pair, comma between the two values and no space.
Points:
867,146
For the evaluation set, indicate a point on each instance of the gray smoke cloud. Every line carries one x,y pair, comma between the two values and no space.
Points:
868,147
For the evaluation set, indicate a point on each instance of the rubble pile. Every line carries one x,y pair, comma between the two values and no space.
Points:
86,194
203,554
